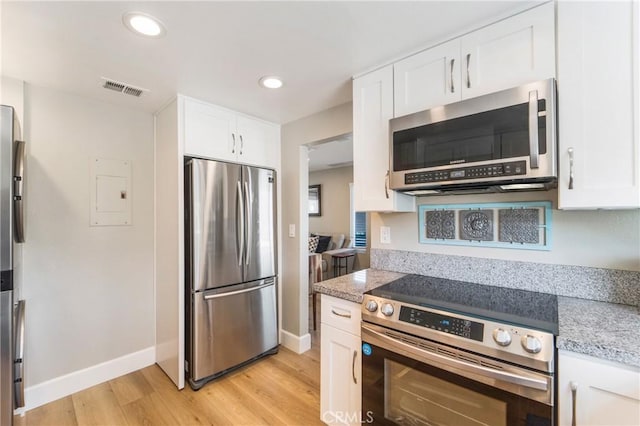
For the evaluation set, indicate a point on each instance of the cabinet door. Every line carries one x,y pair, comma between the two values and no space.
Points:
372,109
427,79
209,131
605,393
340,375
517,50
258,142
598,93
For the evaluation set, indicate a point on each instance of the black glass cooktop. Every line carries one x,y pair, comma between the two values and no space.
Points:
515,306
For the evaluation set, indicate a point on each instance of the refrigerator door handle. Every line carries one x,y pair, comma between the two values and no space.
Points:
249,217
18,187
240,219
19,355
232,293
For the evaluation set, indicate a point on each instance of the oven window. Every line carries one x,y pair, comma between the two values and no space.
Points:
416,398
492,135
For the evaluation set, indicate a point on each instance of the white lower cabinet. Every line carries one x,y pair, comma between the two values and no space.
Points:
597,392
340,362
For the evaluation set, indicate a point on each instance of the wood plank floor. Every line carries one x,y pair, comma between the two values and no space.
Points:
282,389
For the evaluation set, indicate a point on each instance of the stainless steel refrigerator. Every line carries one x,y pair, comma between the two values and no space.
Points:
11,232
231,287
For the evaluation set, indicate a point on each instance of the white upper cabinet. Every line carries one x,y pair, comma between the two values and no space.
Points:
598,86
427,79
509,53
597,392
218,133
372,109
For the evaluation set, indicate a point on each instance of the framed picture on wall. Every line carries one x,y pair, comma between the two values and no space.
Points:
315,204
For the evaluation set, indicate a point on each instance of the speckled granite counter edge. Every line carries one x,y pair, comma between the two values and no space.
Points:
603,352
352,286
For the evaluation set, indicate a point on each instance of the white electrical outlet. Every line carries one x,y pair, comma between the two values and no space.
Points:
385,235
292,230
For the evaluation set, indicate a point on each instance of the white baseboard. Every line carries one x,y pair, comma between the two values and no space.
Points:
298,344
51,390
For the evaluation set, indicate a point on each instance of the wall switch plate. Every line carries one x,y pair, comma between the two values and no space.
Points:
385,235
292,230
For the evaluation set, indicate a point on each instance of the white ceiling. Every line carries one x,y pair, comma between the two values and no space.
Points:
217,51
331,154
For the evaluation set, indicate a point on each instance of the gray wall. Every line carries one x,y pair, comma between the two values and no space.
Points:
294,177
89,290
335,201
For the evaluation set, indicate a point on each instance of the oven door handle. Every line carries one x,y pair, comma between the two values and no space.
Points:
463,365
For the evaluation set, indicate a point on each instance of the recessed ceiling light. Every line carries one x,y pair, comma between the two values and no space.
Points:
144,24
271,82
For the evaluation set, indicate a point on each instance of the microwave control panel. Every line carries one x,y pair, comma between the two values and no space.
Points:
513,168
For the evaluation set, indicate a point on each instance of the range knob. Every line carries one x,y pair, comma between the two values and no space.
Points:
502,337
531,344
386,309
371,306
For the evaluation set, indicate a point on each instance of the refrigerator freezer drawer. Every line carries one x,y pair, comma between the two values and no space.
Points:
232,327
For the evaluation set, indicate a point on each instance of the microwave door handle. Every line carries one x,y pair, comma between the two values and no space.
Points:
534,153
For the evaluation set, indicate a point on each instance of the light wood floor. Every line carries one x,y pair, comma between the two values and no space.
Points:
282,389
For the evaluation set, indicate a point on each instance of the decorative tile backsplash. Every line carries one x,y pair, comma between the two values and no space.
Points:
525,225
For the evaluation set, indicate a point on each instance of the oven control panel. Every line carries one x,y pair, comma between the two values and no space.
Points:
444,323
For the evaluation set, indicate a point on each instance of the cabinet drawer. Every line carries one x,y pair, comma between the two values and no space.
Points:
341,314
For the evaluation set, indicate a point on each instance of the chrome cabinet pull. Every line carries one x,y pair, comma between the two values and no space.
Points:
233,150
534,152
451,76
241,144
574,391
386,185
468,75
348,315
570,151
353,367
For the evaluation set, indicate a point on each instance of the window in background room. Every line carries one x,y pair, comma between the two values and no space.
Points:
358,224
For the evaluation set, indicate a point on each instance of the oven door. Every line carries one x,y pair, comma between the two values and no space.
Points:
412,381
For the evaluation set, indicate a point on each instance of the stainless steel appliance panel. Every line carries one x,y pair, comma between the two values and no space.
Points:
6,357
6,186
232,326
260,195
215,218
494,141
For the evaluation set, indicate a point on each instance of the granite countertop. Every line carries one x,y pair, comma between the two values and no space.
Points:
351,286
603,330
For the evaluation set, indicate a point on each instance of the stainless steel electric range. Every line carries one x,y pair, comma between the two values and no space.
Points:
443,352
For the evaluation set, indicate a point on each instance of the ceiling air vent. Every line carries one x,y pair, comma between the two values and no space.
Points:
125,88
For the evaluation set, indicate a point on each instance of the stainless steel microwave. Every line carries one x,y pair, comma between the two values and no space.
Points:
503,141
